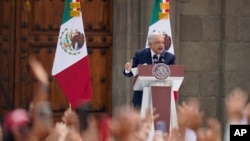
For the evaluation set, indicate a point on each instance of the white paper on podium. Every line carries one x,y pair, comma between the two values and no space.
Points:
134,71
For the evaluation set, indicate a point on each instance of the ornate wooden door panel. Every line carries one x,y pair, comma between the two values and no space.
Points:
97,18
34,30
7,57
36,34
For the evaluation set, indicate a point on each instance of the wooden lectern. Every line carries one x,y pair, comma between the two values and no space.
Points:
159,93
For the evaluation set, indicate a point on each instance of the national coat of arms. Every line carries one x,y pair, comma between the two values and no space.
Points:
71,41
161,71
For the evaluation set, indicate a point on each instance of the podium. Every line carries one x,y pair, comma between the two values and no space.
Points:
158,93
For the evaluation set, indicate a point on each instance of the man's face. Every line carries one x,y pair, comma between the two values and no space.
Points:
157,45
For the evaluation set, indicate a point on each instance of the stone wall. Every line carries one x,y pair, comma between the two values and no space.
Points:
201,52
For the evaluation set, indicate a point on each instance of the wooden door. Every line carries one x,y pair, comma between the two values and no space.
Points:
36,28
7,46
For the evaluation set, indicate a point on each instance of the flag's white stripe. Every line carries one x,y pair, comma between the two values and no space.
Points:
62,59
162,25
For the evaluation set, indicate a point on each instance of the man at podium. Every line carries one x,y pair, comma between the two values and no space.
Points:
156,53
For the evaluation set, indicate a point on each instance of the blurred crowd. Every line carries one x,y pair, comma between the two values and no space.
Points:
124,124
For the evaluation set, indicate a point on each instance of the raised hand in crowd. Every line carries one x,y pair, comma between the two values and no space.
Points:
189,119
183,118
41,113
235,107
70,118
59,132
126,123
212,132
147,125
235,103
174,135
73,135
62,132
149,119
195,114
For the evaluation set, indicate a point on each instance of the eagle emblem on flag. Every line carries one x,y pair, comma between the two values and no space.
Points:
71,41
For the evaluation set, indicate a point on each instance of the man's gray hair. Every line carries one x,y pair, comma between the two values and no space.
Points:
150,36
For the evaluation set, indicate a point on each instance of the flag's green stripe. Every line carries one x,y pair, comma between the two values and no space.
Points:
66,12
155,12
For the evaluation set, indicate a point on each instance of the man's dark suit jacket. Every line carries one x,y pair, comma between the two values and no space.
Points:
143,56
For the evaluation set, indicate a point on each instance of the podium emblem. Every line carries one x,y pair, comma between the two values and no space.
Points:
161,71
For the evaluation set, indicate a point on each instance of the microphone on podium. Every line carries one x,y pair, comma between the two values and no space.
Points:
155,59
162,58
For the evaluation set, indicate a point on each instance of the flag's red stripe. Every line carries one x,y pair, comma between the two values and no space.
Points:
75,82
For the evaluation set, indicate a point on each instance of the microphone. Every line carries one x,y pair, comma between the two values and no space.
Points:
155,59
162,58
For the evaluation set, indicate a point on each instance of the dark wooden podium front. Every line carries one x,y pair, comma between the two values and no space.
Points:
161,97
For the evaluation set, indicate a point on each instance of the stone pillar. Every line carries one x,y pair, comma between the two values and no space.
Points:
131,21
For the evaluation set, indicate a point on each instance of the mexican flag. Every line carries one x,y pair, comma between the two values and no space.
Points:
160,22
71,65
